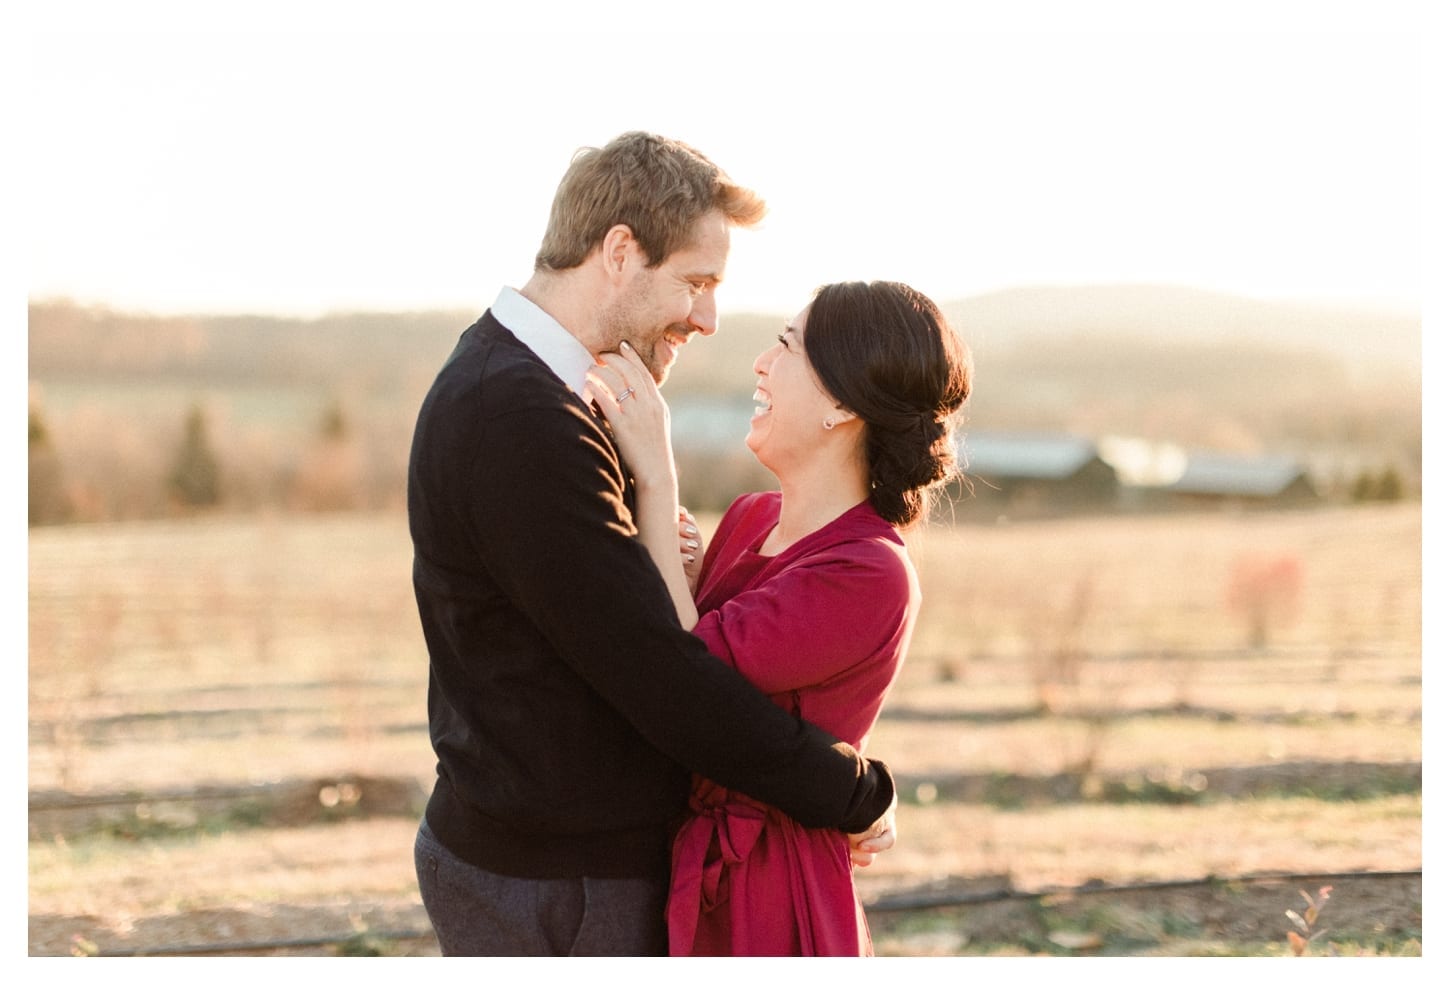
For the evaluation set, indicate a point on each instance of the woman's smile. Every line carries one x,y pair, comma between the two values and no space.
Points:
762,402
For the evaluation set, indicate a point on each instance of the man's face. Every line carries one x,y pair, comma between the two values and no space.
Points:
664,306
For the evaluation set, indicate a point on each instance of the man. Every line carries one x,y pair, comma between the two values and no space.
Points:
566,704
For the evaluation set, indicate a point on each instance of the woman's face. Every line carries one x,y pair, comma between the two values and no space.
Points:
791,405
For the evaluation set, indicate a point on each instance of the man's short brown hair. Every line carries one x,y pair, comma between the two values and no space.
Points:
657,187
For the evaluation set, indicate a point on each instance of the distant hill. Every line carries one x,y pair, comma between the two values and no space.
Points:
1172,362
1044,355
70,339
380,350
1365,340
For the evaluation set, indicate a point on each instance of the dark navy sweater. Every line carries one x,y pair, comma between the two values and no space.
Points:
566,704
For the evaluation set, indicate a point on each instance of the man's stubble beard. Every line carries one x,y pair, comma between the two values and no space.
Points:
623,323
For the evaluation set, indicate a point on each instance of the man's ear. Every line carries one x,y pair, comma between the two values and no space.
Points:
618,250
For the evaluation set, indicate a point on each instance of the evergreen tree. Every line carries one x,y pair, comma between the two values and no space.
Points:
1390,488
47,498
335,427
196,477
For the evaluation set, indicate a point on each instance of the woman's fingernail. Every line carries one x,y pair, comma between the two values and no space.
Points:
692,545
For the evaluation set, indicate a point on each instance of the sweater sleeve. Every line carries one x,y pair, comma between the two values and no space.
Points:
817,618
547,508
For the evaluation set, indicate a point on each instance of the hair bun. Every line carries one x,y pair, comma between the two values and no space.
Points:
885,351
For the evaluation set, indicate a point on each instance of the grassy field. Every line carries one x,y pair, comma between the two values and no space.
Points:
1124,735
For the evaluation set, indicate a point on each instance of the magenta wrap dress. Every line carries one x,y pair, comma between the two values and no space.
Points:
822,628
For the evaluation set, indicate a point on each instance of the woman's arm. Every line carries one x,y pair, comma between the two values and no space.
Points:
819,616
641,425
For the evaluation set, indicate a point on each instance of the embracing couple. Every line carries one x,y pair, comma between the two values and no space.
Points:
648,745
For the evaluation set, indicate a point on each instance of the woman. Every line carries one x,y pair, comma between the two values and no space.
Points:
807,591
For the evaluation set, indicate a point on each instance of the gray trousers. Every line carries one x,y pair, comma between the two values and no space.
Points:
478,913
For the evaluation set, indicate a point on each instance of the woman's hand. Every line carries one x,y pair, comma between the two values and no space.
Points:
627,396
880,837
691,548
625,393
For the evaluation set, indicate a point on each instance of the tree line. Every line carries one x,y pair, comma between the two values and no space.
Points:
355,381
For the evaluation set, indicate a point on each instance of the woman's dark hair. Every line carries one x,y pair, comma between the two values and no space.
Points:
886,353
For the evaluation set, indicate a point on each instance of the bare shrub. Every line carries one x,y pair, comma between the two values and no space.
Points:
709,481
329,478
259,466
115,466
1265,592
1057,644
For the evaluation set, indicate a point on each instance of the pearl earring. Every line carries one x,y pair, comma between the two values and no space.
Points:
828,423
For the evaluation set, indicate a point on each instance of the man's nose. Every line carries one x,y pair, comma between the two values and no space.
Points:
703,318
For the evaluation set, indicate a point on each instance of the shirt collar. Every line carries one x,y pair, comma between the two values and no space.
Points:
565,355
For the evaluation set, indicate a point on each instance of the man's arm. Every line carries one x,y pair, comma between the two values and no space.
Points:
547,504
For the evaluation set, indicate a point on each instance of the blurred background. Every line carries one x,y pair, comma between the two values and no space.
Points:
1187,258
258,245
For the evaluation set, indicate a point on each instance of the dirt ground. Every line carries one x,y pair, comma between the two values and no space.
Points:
227,754
1230,916
302,882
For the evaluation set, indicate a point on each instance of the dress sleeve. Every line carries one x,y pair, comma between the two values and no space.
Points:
547,508
817,618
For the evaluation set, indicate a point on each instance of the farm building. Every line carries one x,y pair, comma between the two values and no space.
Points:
1027,474
1241,480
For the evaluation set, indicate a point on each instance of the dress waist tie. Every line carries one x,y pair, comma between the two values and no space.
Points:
716,818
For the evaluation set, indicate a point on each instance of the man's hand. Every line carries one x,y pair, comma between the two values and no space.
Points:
877,838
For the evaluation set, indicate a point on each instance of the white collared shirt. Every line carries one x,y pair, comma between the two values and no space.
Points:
565,355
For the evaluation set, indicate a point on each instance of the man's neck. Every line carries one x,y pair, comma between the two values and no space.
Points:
568,301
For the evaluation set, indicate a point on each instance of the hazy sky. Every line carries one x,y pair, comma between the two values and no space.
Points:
296,158
235,167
